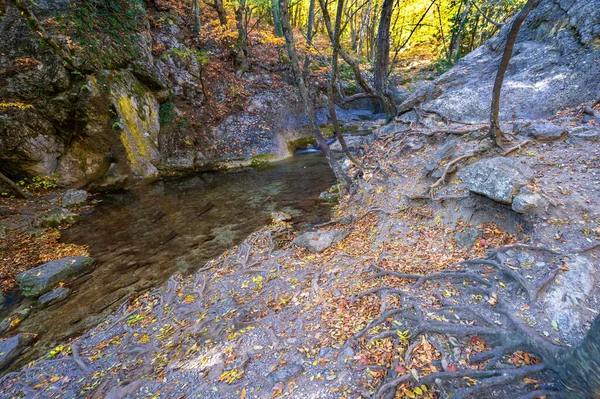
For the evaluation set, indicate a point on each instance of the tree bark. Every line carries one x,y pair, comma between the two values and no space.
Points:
14,188
303,91
382,55
331,85
242,50
196,11
495,133
276,20
309,37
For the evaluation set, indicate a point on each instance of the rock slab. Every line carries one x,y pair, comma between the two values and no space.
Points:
54,296
58,216
42,279
526,201
319,241
498,178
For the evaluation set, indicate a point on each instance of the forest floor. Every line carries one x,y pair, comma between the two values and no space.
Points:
270,319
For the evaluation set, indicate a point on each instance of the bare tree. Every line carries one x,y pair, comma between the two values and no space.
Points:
242,52
217,5
495,133
304,94
196,11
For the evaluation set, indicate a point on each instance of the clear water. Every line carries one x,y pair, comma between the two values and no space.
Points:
142,237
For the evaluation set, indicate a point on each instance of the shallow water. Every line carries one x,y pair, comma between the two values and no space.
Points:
142,237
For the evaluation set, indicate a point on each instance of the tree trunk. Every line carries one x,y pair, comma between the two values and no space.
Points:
495,132
276,21
382,56
331,85
242,49
309,37
196,10
221,13
303,91
14,188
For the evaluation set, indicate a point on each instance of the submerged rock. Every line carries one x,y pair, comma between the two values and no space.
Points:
42,279
74,197
12,347
58,216
319,241
497,178
526,200
279,217
54,296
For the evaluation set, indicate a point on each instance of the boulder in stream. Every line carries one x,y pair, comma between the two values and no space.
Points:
319,241
498,178
42,279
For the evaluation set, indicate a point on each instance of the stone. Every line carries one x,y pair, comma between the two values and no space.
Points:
565,297
585,133
74,197
345,354
498,178
284,372
467,238
280,217
54,296
526,200
445,152
354,144
319,241
544,131
57,217
12,347
43,278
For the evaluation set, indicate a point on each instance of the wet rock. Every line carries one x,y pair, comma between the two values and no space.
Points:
526,200
319,241
54,296
57,217
42,279
498,178
544,131
354,144
285,372
74,197
279,217
567,294
12,347
329,197
467,237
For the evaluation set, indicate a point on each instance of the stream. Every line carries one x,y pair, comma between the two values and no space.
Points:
143,236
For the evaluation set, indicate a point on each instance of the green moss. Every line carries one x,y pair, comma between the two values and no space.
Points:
261,159
303,142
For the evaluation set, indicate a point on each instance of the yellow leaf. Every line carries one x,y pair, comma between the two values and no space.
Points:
418,391
243,393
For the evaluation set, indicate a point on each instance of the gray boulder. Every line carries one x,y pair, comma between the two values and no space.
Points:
498,178
74,197
54,296
585,133
544,131
319,241
58,216
12,347
566,296
526,200
42,279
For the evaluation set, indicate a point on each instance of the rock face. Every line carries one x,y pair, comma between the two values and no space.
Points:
565,298
58,216
544,131
12,347
497,178
42,279
319,241
553,66
74,197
